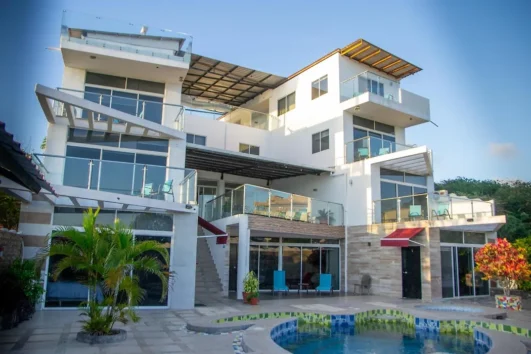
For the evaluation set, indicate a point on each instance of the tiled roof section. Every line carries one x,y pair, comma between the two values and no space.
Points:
16,165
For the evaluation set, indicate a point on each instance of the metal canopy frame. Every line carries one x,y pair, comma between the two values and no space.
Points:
219,81
240,164
380,59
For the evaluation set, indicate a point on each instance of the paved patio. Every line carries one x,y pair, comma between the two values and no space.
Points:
163,331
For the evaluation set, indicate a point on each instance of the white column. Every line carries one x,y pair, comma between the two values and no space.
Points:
183,261
221,187
243,254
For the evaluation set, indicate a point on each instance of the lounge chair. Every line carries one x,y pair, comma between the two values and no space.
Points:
364,284
279,281
442,210
415,211
363,153
148,191
325,283
383,151
167,188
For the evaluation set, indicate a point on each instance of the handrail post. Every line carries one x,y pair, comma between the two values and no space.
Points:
269,203
144,171
231,201
472,204
291,207
369,144
428,206
398,210
89,174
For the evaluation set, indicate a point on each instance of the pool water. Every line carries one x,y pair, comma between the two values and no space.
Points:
375,338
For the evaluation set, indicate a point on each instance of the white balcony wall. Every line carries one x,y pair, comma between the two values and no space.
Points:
416,105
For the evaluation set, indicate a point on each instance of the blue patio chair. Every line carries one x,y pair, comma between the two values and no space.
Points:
383,151
148,191
363,153
415,211
167,188
279,281
442,210
325,283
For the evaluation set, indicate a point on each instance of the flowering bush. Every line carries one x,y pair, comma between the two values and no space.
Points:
503,262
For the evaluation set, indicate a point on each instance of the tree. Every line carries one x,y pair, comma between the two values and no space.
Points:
43,144
503,262
108,260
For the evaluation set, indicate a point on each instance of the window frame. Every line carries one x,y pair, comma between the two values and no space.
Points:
286,105
320,149
249,147
194,138
319,91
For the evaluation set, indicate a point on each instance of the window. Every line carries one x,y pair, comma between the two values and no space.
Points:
196,139
147,86
286,104
319,87
375,87
373,125
320,141
403,177
249,149
124,83
105,80
84,136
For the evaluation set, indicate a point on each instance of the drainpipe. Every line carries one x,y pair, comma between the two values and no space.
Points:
345,226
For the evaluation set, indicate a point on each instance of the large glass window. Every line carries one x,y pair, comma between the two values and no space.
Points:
77,167
105,80
291,264
76,135
149,282
196,139
144,143
249,149
447,272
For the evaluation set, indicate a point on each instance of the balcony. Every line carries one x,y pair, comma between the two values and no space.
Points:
373,96
149,108
429,207
133,179
254,200
365,148
230,114
113,47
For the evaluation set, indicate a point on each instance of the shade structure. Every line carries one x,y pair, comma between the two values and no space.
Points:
400,237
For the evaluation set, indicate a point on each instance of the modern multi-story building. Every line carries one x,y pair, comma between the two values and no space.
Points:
309,173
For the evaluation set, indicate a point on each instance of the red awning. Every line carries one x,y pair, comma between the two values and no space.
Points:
222,235
400,237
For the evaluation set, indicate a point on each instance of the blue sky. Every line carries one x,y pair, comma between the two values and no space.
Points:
475,56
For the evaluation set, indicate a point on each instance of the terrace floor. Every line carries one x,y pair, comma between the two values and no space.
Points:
164,331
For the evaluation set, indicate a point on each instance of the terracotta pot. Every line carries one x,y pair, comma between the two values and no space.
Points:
509,302
254,301
245,297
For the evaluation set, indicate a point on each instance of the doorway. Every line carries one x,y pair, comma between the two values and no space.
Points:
411,277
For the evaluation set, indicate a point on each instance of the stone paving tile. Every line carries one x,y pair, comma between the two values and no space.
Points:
44,337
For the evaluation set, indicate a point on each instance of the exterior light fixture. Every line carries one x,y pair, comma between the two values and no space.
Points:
143,30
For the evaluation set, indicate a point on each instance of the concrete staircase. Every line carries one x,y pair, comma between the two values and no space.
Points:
207,283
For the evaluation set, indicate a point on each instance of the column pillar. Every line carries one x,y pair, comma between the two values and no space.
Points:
243,253
183,261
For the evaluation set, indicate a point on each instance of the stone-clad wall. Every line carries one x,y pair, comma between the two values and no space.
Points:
263,223
11,243
384,264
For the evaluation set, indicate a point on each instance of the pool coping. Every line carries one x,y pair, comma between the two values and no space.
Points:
256,332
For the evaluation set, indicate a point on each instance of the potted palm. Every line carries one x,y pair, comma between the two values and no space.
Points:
325,216
108,260
250,288
507,264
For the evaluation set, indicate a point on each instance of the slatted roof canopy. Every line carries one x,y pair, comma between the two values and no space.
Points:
374,56
224,82
235,163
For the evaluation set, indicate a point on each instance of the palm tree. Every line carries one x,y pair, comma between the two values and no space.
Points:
108,260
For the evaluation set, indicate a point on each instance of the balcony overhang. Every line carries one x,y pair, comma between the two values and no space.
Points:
371,106
67,196
240,164
478,224
122,63
118,122
416,160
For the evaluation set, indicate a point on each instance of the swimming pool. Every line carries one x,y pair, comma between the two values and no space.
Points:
375,338
450,308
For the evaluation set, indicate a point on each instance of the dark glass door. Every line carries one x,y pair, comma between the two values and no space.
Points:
411,280
233,264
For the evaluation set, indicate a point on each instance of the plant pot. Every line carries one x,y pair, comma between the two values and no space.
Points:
118,335
509,302
245,297
254,301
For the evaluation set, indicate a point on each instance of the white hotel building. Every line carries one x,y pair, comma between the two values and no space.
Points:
309,173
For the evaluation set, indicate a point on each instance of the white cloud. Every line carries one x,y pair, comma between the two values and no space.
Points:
504,150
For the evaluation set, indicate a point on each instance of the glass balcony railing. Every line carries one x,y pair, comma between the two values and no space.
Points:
142,180
367,147
429,207
142,107
249,199
369,82
231,114
125,37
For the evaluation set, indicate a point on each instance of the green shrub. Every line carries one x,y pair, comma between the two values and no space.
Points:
525,243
